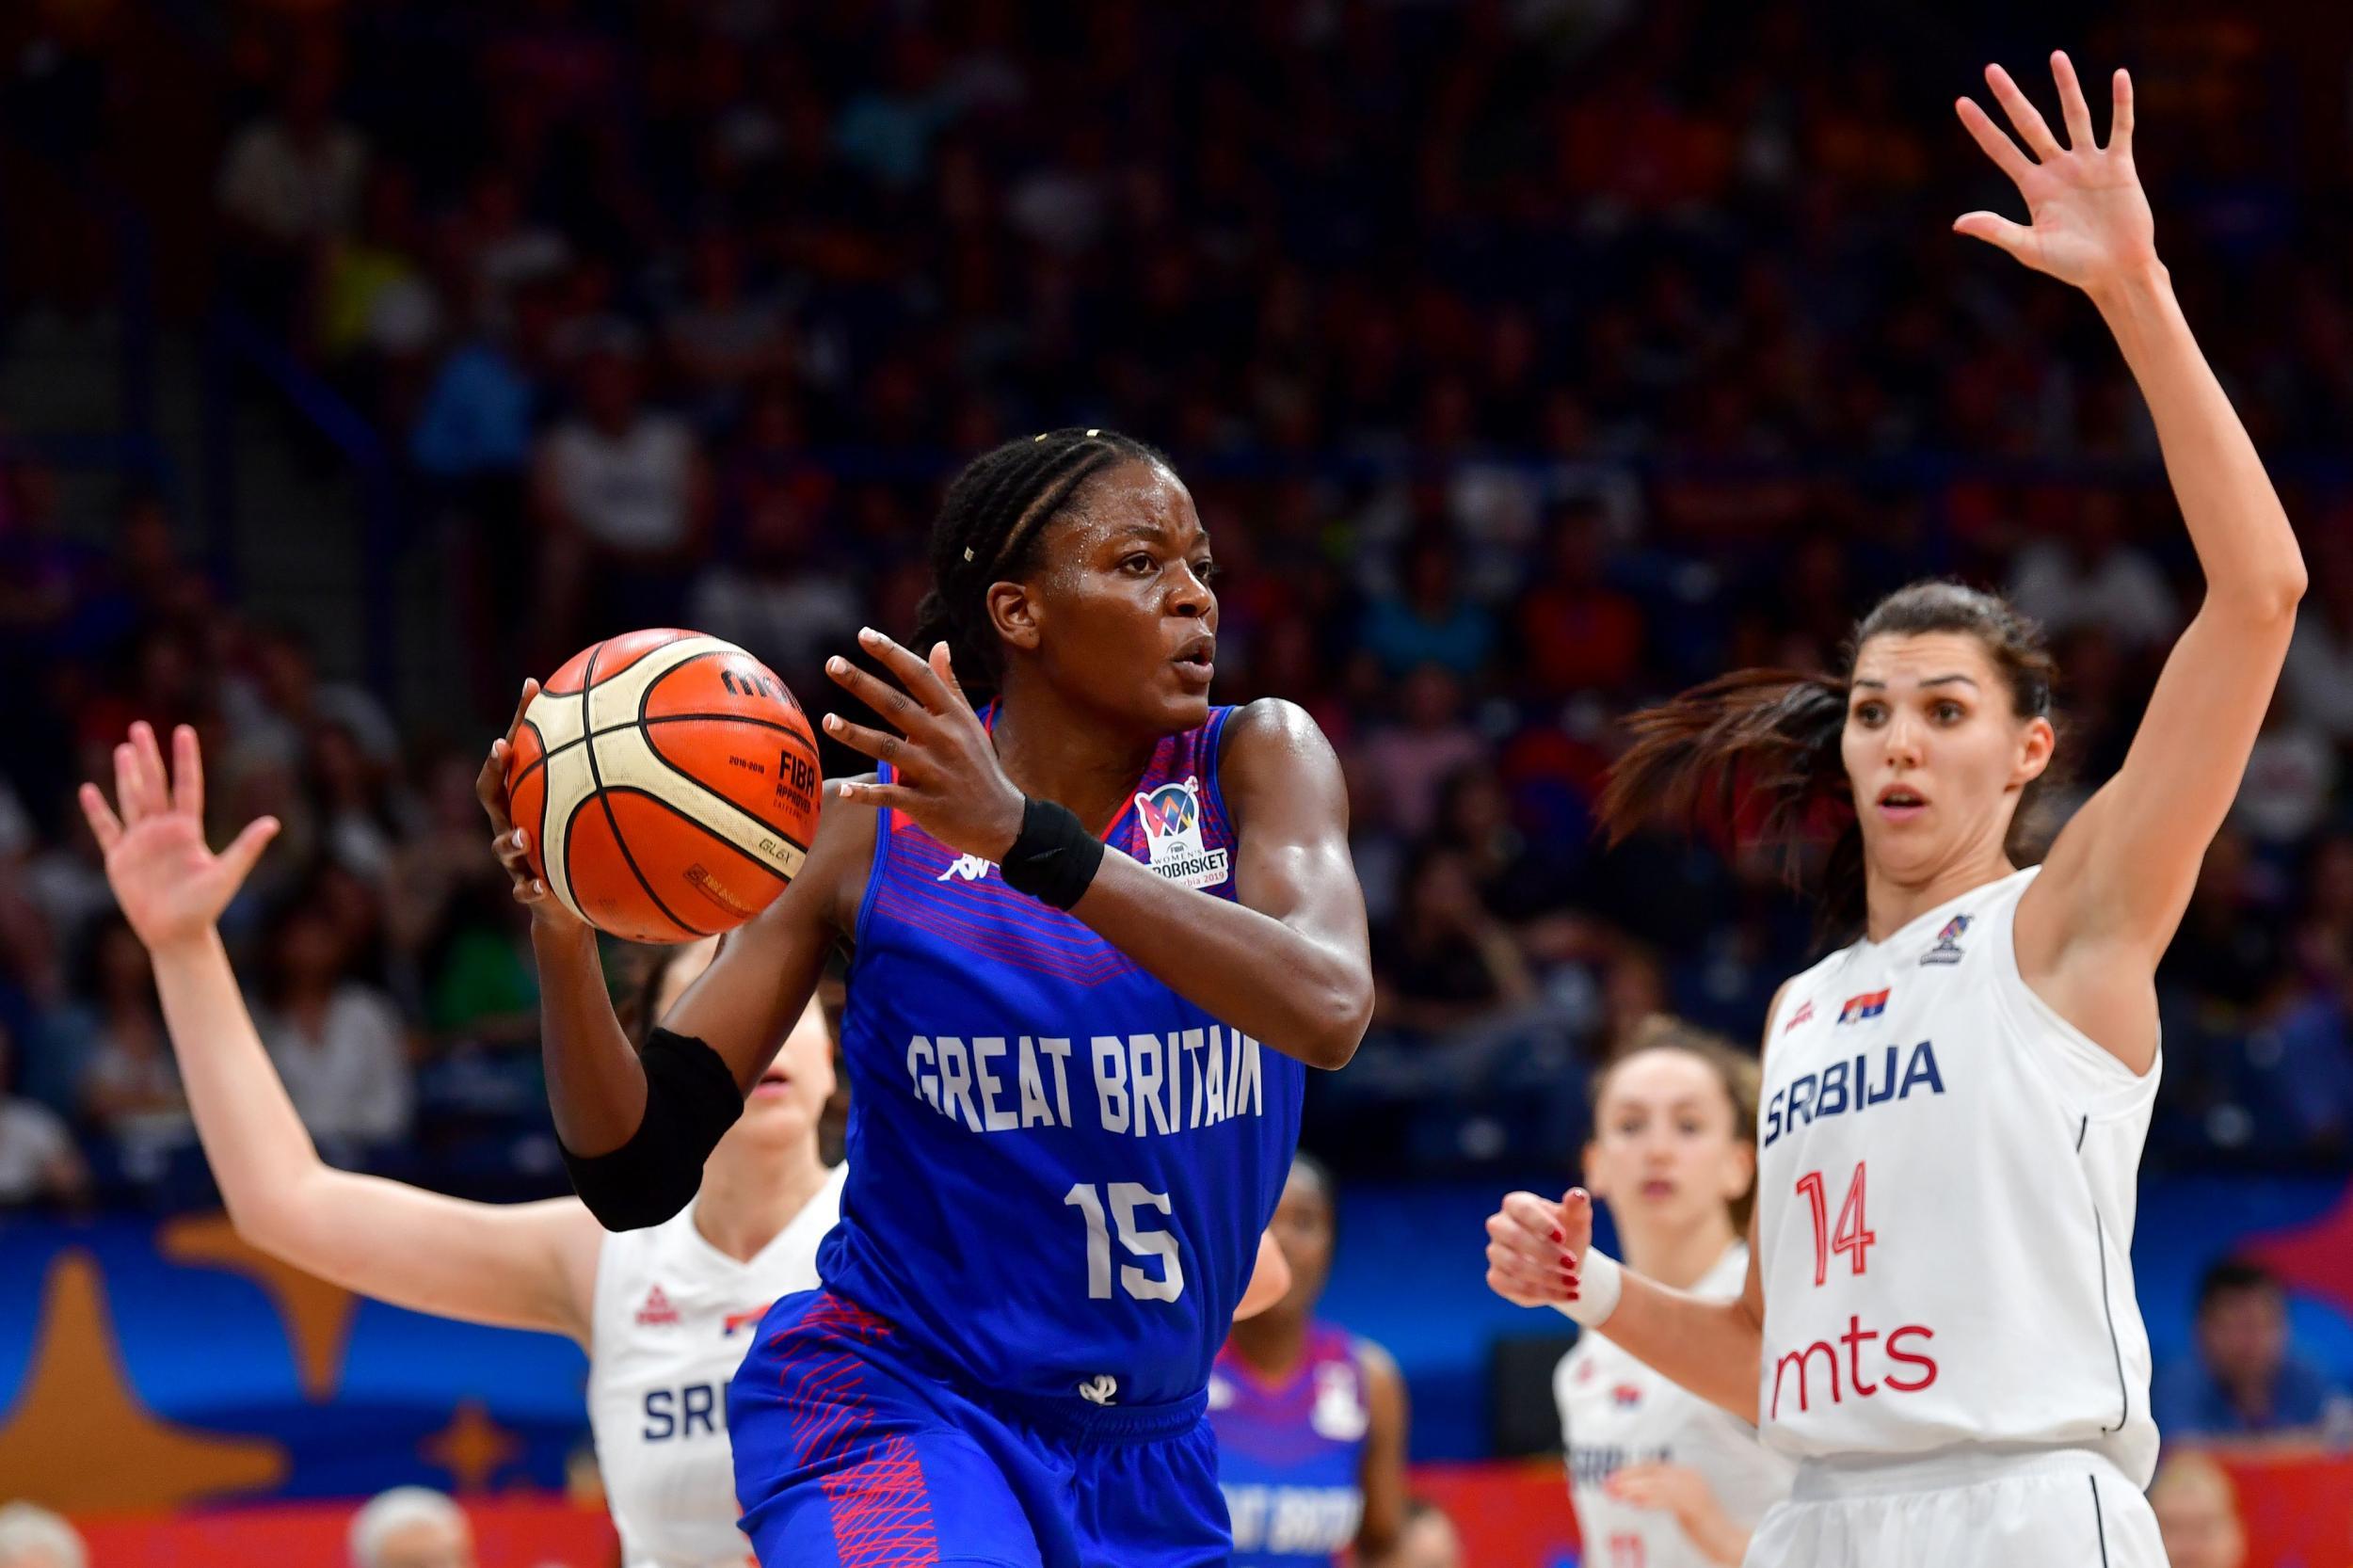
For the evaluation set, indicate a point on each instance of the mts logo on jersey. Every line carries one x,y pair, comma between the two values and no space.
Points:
1858,1084
1172,836
1796,1368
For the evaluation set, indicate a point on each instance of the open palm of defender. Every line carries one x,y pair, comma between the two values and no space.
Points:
2090,218
172,886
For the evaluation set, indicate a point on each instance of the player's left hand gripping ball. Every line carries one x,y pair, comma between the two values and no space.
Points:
944,768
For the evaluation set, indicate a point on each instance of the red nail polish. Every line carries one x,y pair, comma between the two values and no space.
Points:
1557,1235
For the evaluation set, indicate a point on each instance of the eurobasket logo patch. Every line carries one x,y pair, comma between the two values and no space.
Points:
1947,948
1172,836
1868,1005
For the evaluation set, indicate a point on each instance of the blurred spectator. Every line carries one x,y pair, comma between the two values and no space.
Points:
1449,962
2319,675
292,181
2291,777
130,1085
2197,1509
1429,1539
37,1160
2245,1381
1430,623
32,1537
1424,742
781,599
337,1043
372,293
411,1527
1579,634
475,423
278,703
720,337
2079,570
621,493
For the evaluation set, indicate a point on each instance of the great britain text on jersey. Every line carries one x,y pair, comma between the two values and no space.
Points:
1143,1084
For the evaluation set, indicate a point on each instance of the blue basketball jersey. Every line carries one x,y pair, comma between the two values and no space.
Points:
1059,1167
1290,1454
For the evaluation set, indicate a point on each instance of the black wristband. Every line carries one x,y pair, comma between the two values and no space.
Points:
691,1100
1055,858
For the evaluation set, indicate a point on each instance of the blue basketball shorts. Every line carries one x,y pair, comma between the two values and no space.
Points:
854,1449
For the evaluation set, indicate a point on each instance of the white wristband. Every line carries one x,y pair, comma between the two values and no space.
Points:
1598,1281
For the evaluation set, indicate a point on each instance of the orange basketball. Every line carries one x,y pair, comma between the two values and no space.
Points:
669,782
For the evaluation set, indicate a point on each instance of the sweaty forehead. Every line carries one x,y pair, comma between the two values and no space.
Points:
1138,496
1906,661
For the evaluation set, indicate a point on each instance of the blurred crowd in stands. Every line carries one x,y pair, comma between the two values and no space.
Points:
1527,362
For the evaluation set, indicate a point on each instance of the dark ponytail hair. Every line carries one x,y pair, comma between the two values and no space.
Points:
1771,737
989,526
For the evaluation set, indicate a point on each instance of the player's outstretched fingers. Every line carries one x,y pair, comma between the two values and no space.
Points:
155,783
2072,109
881,696
104,826
880,745
187,773
2032,128
916,673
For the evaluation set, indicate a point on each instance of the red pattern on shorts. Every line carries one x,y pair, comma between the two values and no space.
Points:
882,1514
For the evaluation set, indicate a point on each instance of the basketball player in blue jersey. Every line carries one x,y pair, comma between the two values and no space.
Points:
1096,928
1310,1420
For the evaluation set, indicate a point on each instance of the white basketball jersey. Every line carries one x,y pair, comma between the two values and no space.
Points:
1616,1412
673,1315
1944,1206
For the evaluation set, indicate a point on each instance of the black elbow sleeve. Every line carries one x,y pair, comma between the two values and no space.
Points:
690,1101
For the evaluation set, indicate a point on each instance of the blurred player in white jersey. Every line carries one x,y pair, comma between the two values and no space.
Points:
664,1313
1661,1477
1939,1321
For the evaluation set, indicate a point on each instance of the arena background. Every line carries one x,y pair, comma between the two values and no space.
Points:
1527,361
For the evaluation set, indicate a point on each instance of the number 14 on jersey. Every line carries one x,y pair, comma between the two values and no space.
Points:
1853,1235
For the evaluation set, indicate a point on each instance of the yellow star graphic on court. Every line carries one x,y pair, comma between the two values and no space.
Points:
79,1439
473,1447
316,1314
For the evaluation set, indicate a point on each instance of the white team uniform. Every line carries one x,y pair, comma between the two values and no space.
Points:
674,1316
1945,1196
1616,1412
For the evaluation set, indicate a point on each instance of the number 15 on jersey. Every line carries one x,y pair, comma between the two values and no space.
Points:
1123,1199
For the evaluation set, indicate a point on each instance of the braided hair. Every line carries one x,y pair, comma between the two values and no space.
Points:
989,527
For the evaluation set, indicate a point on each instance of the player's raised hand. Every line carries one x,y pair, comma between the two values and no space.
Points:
509,842
945,772
1536,1246
172,886
2090,221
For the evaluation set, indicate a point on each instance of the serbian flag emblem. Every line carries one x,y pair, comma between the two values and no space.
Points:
1868,1005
